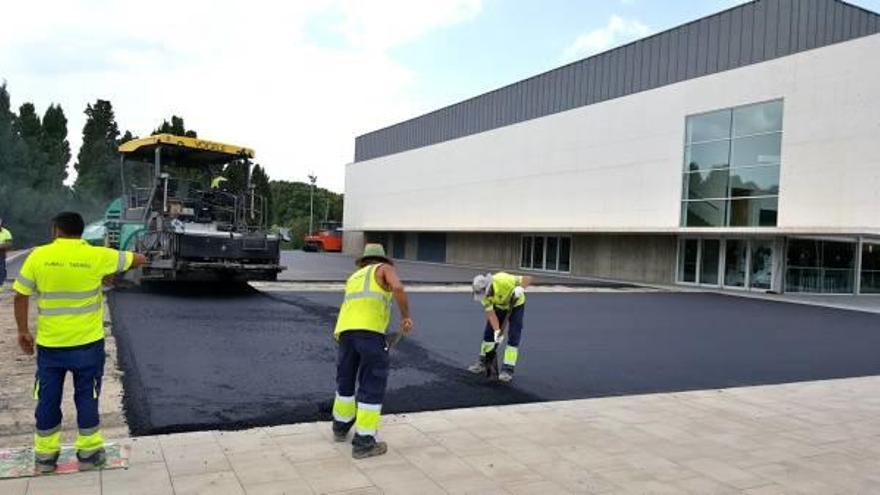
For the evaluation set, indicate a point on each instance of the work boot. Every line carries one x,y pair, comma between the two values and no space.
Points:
94,461
46,465
506,375
340,433
363,446
477,368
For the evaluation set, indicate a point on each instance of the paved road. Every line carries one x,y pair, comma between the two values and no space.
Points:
247,359
334,267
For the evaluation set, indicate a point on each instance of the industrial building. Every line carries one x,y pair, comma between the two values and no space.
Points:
741,150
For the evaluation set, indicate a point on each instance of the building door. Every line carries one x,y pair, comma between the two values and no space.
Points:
711,249
431,247
761,265
736,258
687,263
398,245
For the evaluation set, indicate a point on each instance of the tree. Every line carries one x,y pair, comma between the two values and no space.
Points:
260,180
98,159
128,136
25,204
290,207
56,148
176,128
30,130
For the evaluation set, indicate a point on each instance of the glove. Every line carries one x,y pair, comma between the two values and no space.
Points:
499,337
518,293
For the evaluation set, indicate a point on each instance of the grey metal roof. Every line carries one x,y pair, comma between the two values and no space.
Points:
747,34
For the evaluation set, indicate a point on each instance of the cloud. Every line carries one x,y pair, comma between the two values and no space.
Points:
261,74
616,32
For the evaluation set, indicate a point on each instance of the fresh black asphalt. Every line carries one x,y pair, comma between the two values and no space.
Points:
206,360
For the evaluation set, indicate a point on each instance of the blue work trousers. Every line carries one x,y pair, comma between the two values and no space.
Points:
513,336
361,373
86,363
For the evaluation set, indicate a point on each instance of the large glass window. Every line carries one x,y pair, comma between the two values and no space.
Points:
753,212
538,253
870,268
565,254
820,266
761,276
735,260
550,253
731,154
687,263
709,261
526,251
705,213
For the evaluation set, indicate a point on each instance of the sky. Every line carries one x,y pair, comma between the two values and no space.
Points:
299,80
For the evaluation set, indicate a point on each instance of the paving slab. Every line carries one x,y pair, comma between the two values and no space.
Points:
648,460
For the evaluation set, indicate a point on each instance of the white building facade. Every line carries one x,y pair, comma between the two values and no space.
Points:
741,150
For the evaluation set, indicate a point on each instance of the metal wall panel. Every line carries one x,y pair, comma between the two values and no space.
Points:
783,25
750,33
759,32
693,50
771,30
640,72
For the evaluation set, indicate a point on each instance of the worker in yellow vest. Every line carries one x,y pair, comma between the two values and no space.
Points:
5,245
66,277
218,182
362,360
503,297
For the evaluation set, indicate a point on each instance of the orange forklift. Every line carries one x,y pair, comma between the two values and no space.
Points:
327,238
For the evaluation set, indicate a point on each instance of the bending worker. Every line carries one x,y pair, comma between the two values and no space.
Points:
503,296
67,275
362,353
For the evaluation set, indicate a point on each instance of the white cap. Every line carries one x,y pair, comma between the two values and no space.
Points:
481,286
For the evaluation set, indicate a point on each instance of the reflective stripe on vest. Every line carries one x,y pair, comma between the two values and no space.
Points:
367,306
80,310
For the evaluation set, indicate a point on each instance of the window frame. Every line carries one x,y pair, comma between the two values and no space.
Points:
686,173
544,243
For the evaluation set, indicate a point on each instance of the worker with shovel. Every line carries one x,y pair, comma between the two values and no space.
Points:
362,357
503,297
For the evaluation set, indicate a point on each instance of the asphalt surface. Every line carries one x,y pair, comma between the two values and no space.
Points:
335,267
244,359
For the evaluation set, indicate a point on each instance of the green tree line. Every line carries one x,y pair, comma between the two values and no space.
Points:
34,157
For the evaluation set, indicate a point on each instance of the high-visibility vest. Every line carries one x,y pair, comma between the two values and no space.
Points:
66,276
367,304
217,181
502,290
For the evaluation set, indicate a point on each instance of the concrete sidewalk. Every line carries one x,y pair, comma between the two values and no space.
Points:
812,437
868,303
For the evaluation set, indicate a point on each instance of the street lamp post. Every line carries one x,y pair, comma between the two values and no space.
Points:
312,179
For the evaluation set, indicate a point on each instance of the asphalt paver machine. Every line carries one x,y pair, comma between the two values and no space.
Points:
193,224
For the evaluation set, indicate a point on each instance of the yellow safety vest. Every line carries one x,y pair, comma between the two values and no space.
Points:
67,275
502,289
367,304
